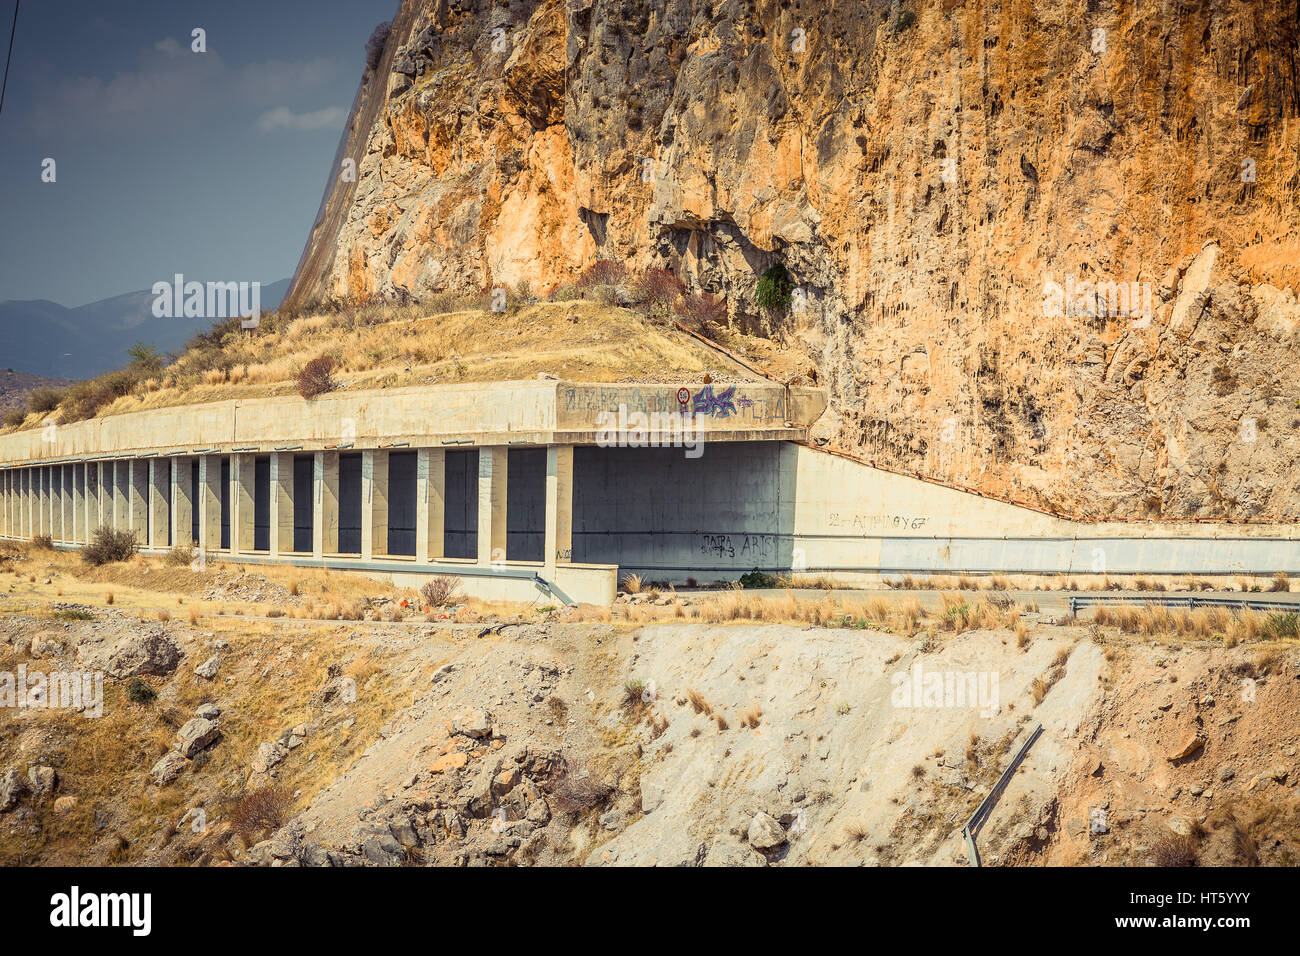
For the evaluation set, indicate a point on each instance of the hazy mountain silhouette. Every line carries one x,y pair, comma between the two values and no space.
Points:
45,338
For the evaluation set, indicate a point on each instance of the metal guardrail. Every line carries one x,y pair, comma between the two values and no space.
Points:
1186,601
977,819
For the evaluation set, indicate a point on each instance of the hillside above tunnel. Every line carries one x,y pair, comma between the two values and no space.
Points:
1047,253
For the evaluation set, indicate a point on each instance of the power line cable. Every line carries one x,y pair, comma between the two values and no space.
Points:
12,30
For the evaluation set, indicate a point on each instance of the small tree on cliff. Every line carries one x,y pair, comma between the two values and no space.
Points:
774,290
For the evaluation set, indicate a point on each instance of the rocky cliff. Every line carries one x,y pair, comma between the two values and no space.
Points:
1045,248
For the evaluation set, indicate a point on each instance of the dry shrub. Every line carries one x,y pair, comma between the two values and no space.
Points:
1174,850
703,310
572,788
260,812
632,583
1039,688
194,616
603,272
1022,634
42,542
317,377
439,590
722,722
878,610
107,545
856,831
750,718
659,287
698,702
1280,582
164,616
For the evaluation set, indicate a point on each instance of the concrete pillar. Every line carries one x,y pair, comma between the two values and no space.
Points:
159,505
33,503
56,501
325,507
43,500
430,503
374,503
182,505
95,500
243,469
559,507
122,495
492,504
137,490
66,512
281,503
78,503
209,503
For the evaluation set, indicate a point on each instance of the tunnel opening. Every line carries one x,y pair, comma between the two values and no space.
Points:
304,487
526,504
401,502
350,503
460,528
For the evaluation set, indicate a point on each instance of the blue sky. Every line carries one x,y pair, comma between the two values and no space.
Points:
208,164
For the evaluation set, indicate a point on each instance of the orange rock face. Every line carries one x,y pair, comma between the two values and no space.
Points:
930,178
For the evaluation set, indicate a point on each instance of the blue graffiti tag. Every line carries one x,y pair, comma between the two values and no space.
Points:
706,403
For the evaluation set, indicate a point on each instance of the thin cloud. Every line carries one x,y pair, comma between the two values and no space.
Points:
284,118
170,82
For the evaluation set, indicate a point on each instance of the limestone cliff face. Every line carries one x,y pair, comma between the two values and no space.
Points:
952,184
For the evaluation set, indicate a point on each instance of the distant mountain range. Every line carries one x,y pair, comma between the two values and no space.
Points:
44,338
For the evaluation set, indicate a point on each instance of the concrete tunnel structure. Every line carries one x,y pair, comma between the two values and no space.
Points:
557,487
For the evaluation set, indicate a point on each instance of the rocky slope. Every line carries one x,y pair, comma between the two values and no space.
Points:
930,174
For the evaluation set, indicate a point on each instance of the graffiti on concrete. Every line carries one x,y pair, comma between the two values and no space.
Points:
877,522
766,406
750,547
722,404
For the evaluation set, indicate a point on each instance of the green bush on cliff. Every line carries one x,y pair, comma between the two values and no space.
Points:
774,289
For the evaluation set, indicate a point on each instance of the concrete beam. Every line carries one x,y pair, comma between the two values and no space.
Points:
430,503
374,503
243,469
282,503
159,504
122,495
325,507
138,516
182,505
492,466
559,507
209,503
79,503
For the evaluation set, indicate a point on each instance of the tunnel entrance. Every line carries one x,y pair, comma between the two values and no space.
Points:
460,528
225,503
401,502
350,503
526,504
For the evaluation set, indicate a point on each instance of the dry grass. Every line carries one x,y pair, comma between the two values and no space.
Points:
750,718
698,703
392,346
632,583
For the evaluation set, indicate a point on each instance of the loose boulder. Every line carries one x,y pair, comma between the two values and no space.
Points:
198,733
